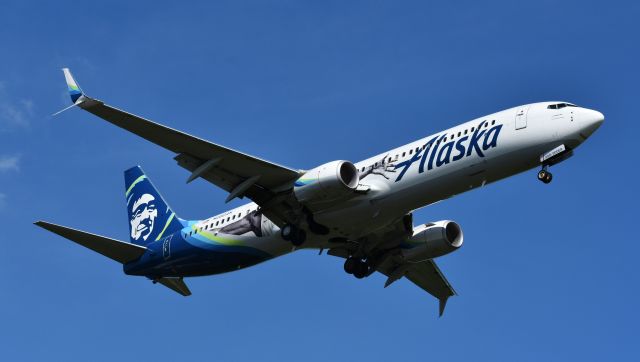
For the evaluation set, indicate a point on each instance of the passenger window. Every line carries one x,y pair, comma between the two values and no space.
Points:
486,125
403,154
473,129
493,122
465,131
411,151
459,134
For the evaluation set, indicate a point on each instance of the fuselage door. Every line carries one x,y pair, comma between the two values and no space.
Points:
521,117
166,247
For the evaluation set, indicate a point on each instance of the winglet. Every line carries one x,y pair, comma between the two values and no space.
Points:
443,303
75,92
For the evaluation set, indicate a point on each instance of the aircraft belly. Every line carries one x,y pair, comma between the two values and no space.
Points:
197,256
209,263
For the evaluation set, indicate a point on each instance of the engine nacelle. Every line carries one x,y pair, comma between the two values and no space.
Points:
328,182
432,240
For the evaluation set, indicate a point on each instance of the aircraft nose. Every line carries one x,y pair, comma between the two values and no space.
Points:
591,121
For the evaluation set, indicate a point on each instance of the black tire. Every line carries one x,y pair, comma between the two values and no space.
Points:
287,232
542,175
548,178
350,265
361,271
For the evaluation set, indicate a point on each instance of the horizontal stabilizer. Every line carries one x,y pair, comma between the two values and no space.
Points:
117,250
175,284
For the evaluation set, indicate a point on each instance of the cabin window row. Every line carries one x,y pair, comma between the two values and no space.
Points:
217,223
417,149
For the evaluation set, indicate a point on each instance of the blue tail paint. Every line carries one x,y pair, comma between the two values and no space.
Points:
150,217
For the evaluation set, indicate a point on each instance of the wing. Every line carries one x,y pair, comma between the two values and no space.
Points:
235,172
425,275
428,276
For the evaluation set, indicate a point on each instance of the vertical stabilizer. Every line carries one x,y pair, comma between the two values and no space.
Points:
150,217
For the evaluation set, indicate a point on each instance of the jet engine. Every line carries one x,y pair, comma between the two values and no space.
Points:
432,240
328,182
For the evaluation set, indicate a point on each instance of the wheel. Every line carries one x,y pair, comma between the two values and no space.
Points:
548,178
350,265
287,232
361,270
542,175
298,237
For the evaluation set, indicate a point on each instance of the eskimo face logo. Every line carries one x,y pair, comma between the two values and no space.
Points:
143,216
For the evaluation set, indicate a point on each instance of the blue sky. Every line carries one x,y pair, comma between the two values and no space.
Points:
548,272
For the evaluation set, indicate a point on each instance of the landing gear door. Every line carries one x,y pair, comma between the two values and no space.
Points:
521,117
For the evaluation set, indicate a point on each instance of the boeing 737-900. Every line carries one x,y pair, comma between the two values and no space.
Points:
360,211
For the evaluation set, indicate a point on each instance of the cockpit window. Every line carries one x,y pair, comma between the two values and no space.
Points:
560,105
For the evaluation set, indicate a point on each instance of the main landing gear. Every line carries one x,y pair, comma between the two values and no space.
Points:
544,175
293,234
358,267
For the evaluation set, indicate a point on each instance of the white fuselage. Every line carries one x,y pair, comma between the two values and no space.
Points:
507,143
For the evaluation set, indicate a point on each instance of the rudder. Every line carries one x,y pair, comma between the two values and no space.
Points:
150,217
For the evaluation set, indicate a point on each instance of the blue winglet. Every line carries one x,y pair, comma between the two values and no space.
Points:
75,92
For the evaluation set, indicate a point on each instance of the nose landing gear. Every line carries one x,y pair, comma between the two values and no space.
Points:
544,175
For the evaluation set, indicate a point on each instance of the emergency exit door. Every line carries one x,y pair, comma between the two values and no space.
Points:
521,117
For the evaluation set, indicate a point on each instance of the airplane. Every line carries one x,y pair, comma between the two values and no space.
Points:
360,211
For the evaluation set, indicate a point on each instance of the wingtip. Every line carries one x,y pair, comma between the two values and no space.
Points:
75,92
442,305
